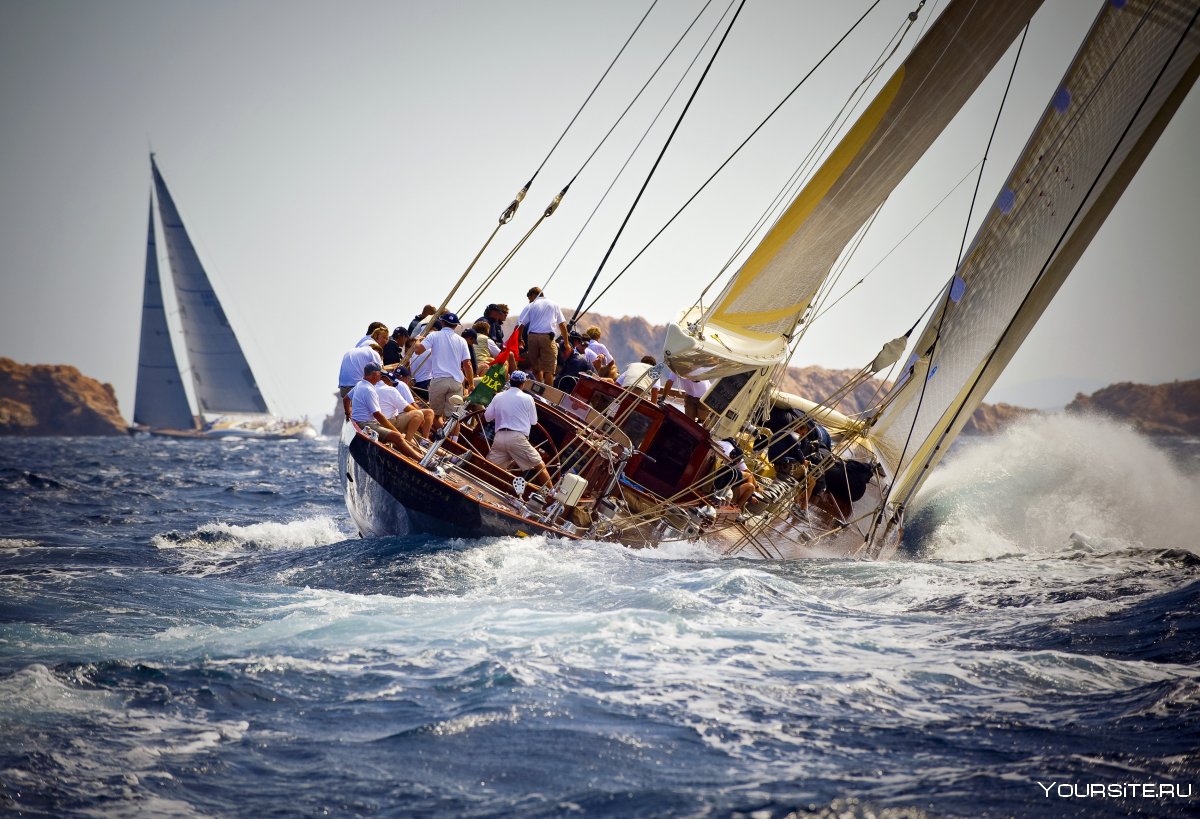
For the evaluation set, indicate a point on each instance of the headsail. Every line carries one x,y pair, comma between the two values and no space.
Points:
748,326
221,375
160,401
1131,74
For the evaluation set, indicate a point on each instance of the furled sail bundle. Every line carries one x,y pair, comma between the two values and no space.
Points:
160,401
1131,74
748,326
220,373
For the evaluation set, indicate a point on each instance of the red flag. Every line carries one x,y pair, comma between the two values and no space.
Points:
511,347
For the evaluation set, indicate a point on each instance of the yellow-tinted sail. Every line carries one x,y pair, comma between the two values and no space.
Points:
748,325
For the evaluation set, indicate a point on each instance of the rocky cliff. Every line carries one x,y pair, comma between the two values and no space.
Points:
1159,409
54,399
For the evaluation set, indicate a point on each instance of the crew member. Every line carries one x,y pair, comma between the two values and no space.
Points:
540,318
637,378
450,363
514,414
366,412
393,351
692,391
351,371
397,404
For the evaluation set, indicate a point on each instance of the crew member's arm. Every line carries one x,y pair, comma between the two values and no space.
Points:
468,375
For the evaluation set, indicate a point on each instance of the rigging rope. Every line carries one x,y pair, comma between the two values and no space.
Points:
509,212
575,316
730,158
649,127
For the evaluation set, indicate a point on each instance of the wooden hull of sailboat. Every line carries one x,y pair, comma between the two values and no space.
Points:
389,495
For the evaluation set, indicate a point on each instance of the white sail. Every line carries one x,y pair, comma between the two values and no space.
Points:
1132,72
752,320
220,373
160,400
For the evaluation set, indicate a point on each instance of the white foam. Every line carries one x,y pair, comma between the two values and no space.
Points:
271,535
1029,489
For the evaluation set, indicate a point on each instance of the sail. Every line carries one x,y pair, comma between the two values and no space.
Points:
221,376
749,325
1134,69
160,400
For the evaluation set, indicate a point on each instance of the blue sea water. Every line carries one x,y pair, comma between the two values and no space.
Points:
194,629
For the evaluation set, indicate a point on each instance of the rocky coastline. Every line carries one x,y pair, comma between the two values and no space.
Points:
55,399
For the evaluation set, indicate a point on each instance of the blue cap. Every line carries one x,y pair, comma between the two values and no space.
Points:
450,319
517,378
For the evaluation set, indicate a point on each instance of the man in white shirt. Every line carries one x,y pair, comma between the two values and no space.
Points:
397,404
692,391
637,378
738,477
366,412
541,318
377,334
451,364
598,356
351,370
514,414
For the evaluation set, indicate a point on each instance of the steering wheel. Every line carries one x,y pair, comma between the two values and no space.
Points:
552,462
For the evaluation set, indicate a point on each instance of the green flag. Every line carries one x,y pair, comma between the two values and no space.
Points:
491,383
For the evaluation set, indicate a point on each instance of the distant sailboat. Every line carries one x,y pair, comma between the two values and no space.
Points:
230,402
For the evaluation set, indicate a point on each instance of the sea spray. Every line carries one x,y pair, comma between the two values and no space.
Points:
1048,478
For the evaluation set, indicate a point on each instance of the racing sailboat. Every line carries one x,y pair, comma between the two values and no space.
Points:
230,402
640,473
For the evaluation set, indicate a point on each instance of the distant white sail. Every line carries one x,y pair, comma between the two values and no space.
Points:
160,401
221,375
1129,77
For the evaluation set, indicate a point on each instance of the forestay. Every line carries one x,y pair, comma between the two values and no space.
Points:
1131,74
749,325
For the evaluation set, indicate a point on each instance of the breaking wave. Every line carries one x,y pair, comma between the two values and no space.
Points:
1056,483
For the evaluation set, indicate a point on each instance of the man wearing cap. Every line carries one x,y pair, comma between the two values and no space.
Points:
450,363
514,414
393,351
367,413
575,365
495,315
397,404
541,318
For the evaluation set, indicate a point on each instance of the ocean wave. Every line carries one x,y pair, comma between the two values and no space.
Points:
1035,488
271,535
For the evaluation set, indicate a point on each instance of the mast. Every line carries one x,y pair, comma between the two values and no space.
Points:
160,401
750,324
1129,77
220,373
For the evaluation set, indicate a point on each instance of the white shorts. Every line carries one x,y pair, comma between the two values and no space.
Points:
510,447
439,390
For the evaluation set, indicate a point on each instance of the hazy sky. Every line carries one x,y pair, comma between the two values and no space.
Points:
338,163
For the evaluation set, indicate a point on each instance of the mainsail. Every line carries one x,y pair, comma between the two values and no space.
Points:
160,401
749,325
1134,69
220,373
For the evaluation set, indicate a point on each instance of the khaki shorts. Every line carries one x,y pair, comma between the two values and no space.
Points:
542,352
510,447
439,390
